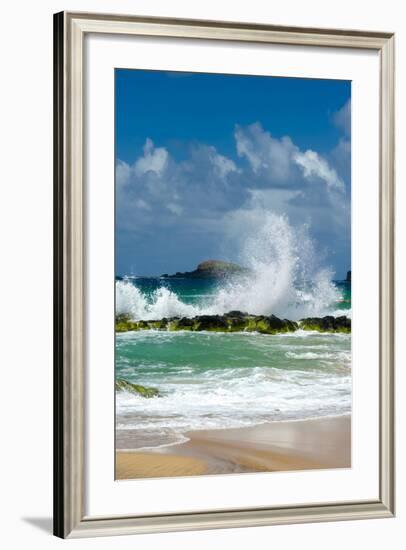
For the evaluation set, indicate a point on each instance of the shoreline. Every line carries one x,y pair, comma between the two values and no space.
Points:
288,445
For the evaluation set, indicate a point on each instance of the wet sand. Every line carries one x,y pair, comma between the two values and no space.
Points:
322,443
130,465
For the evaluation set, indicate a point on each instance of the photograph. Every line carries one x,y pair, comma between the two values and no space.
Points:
232,274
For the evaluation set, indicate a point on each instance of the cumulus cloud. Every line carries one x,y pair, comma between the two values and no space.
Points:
313,165
174,208
154,159
280,163
340,157
198,203
222,165
158,189
265,154
140,203
342,117
123,173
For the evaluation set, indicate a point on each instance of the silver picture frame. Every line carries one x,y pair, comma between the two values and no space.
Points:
70,30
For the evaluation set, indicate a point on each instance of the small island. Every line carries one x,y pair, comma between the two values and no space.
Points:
210,269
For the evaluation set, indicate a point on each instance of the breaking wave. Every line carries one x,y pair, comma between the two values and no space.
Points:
285,280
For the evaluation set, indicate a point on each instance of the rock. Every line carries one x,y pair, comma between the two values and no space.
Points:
237,321
235,314
181,324
326,324
270,324
210,322
293,325
124,323
124,385
348,279
160,324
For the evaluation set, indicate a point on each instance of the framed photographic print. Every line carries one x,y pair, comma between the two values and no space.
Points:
223,275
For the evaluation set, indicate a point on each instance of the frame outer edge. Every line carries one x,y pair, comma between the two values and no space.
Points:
228,30
59,272
68,278
69,299
74,262
100,527
387,275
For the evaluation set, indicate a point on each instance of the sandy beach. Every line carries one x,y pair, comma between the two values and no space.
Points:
321,443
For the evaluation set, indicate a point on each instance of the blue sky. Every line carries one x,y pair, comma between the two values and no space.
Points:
196,152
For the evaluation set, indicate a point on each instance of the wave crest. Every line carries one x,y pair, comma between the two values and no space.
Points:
285,280
162,303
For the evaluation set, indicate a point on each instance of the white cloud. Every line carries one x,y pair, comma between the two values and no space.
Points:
123,173
342,118
265,153
222,165
340,157
202,199
314,165
157,189
280,162
143,205
174,208
154,160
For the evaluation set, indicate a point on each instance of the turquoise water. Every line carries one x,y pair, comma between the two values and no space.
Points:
215,380
189,291
155,297
196,291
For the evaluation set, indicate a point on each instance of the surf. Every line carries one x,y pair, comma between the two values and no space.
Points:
285,279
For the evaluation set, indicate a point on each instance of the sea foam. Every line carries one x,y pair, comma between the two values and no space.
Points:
236,397
285,280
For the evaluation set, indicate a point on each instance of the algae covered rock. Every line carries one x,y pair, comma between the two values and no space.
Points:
270,324
210,322
184,323
237,321
326,324
161,324
124,385
124,323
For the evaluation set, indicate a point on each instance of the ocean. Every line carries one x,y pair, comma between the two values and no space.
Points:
213,380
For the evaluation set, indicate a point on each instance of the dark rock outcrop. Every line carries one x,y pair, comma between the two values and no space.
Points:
124,385
326,324
236,321
210,322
